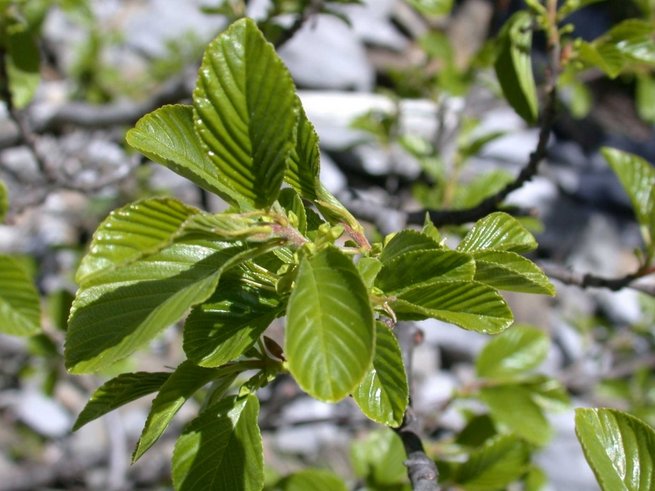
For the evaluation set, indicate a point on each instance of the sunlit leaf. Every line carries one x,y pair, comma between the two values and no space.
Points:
406,241
330,332
20,312
228,323
246,112
383,394
516,351
122,310
117,392
379,459
221,449
176,390
514,66
290,200
167,136
467,304
303,165
499,232
508,271
415,268
132,232
619,448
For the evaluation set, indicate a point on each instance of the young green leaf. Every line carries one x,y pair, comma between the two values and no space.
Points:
185,381
4,201
619,448
514,66
406,241
227,226
20,313
221,449
513,406
122,310
383,394
314,479
467,304
499,232
379,459
167,136
246,112
508,271
117,392
132,232
23,64
330,334
292,203
638,179
228,323
644,97
414,268
368,268
499,462
303,165
514,352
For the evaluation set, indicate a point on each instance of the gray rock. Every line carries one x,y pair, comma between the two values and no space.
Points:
43,414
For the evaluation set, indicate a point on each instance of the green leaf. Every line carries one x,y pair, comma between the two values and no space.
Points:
227,226
132,232
314,479
23,64
571,6
246,112
644,97
480,187
513,406
514,352
383,395
638,179
228,323
303,165
416,268
124,309
4,201
290,200
185,381
117,392
406,241
499,232
514,66
499,462
549,393
330,334
432,7
379,459
368,268
478,429
468,304
167,136
20,312
508,271
619,448
221,449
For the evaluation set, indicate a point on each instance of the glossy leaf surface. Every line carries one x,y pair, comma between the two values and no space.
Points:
176,390
221,449
117,392
124,309
406,241
499,232
330,333
467,304
413,268
514,66
246,113
383,394
228,323
132,232
508,271
303,165
167,136
513,352
619,448
20,312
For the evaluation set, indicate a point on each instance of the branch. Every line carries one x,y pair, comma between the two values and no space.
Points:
587,280
492,203
314,7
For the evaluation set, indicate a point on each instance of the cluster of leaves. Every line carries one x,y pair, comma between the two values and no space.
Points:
292,251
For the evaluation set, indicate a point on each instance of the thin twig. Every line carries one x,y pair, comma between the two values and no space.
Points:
587,280
314,7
